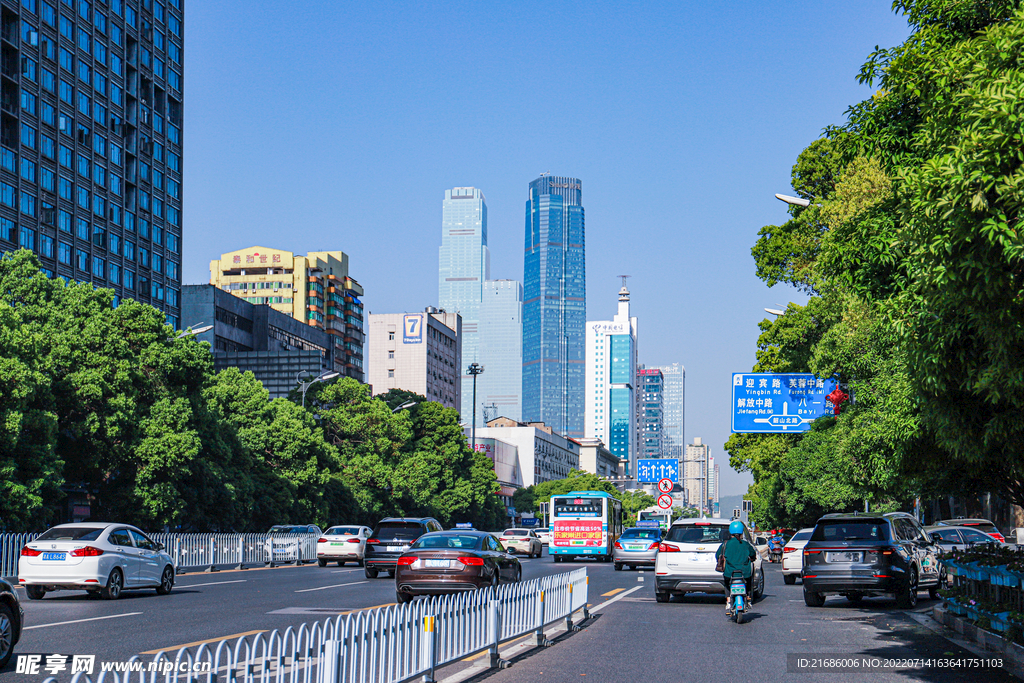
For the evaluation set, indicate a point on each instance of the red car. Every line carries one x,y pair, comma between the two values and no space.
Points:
444,562
982,525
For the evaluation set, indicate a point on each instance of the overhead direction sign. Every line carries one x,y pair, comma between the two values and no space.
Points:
783,403
665,501
651,470
666,486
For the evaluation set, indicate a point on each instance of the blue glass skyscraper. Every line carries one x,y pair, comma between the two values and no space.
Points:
554,305
501,351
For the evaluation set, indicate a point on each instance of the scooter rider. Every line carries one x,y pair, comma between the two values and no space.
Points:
739,557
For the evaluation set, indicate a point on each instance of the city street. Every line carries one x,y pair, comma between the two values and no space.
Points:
632,635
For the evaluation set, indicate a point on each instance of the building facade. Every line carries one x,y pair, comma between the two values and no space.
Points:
597,459
499,392
713,473
419,352
314,289
554,305
91,143
695,473
610,389
673,443
650,412
505,457
544,455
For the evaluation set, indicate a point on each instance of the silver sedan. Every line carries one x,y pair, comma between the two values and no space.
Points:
636,548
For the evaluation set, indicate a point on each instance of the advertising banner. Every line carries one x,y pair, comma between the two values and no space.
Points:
577,534
412,328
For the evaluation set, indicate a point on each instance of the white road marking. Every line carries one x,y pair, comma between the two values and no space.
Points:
78,621
615,599
212,583
323,588
345,571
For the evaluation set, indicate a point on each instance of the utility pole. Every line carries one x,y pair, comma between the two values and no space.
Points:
474,370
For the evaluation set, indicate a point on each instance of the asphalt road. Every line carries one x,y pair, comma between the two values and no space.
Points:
629,638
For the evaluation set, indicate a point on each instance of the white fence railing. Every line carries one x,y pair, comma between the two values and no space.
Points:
386,645
198,551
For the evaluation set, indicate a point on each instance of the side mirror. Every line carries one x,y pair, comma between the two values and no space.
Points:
159,546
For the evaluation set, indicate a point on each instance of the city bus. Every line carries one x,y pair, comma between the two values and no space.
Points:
584,524
654,514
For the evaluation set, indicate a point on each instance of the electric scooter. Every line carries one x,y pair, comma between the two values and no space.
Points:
738,596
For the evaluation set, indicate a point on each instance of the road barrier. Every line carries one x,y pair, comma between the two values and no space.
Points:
385,645
192,552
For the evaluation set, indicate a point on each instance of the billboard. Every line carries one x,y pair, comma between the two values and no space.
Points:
782,403
412,328
651,470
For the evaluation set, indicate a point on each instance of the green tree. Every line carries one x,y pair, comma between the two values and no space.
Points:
578,480
635,501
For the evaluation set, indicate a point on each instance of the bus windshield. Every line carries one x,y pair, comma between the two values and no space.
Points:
579,507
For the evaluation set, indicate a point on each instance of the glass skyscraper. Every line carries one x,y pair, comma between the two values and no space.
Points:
673,439
501,351
464,264
554,305
90,128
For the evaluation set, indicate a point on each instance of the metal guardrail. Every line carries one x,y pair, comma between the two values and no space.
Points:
386,645
198,551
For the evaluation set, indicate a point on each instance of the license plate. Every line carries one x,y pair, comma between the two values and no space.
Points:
335,545
739,589
843,557
635,547
53,557
438,564
397,548
696,557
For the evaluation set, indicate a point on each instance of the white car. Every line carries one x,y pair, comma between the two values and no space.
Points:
793,555
344,543
100,558
523,541
686,559
544,535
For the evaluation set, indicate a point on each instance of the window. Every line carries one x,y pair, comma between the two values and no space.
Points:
9,160
116,64
49,114
48,14
84,104
172,296
67,92
158,40
67,60
115,214
84,41
83,165
174,23
46,244
99,114
174,52
49,80
158,265
82,257
158,235
28,136
47,146
83,198
83,229
67,27
174,162
129,279
99,145
114,244
27,239
28,102
28,204
6,229
99,266
114,274
115,154
101,53
100,22
144,257
391,373
173,216
129,221
28,170
99,175
130,17
99,83
116,95
64,221
48,179
99,206
172,270
64,253
115,185
115,7
83,9
116,37
84,72
67,157
172,243
29,69
129,250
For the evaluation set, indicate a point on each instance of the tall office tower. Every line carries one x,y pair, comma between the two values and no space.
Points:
499,388
674,437
695,473
716,508
315,289
554,305
464,264
610,400
649,420
90,163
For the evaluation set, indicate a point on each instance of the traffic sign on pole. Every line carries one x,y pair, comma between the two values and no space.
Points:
665,501
665,485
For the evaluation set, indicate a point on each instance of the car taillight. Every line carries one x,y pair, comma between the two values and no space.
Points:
321,540
667,548
998,537
87,551
373,540
352,540
618,545
471,561
29,552
405,561
654,546
811,552
789,549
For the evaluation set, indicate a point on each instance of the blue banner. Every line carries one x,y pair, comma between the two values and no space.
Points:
653,470
412,332
781,403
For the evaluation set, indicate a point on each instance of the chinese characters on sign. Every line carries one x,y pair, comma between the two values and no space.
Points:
783,403
580,533
651,470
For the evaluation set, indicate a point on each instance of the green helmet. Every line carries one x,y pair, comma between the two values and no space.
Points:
736,528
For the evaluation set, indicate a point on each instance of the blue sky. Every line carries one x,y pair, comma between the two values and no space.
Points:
338,125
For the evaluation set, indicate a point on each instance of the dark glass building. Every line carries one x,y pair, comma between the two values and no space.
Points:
90,142
554,305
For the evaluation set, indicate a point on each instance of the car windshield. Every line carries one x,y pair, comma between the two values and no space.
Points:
342,531
398,531
947,535
283,529
801,536
448,541
851,530
70,533
516,532
650,534
698,534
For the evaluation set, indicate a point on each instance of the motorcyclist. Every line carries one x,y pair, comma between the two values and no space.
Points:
775,543
739,557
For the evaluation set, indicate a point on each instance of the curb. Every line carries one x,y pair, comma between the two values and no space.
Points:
1012,653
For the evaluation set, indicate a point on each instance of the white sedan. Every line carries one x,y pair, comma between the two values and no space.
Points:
342,544
544,535
100,558
522,541
793,555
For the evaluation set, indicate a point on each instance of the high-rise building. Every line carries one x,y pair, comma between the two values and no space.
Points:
315,289
695,473
649,422
499,388
674,404
464,265
610,401
419,352
90,162
713,492
554,305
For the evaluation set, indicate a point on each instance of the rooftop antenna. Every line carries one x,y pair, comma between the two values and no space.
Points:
624,278
545,173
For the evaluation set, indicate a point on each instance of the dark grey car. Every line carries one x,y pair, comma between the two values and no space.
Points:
636,548
12,620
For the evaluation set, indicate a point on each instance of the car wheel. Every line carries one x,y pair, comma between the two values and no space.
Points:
402,598
661,596
341,563
632,567
35,592
360,563
115,582
618,566
813,599
322,563
6,634
166,581
790,579
370,573
495,580
759,588
519,575
907,596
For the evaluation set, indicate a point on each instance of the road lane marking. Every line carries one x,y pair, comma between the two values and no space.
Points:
323,588
345,571
79,621
611,593
173,648
615,599
212,583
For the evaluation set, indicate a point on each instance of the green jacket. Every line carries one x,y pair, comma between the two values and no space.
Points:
739,557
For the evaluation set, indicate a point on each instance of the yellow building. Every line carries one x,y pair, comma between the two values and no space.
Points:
315,288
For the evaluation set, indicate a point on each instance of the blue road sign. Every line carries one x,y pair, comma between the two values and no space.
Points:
778,403
655,469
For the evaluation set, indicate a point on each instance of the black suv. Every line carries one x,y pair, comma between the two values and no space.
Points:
12,619
392,537
860,554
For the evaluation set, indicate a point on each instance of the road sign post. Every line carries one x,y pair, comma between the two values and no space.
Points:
666,486
665,501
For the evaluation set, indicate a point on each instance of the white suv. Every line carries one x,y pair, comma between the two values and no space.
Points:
686,559
793,555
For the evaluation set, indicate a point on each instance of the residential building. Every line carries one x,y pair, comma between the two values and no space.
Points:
650,412
505,457
554,305
91,144
673,409
695,472
610,389
500,351
713,500
597,459
544,454
314,289
278,349
419,352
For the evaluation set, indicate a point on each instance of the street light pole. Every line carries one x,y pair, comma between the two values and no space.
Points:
322,377
474,370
